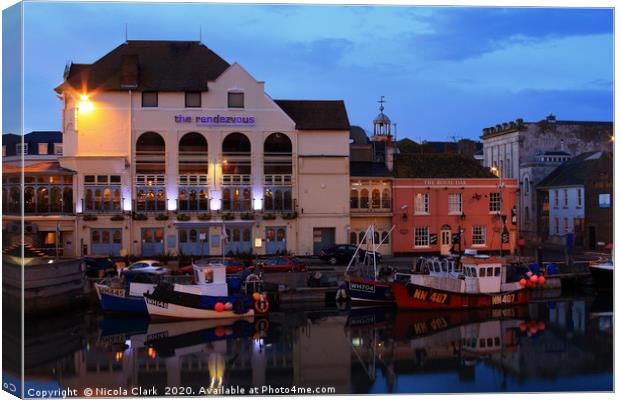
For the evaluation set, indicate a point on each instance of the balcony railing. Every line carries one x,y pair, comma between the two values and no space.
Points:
278,180
150,180
235,180
193,179
101,206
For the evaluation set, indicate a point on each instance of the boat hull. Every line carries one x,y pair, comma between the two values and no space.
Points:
118,301
158,309
366,291
411,296
603,276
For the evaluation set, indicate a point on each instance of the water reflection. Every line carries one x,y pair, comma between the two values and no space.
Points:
562,345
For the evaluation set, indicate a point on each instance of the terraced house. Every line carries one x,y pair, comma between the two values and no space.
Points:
176,151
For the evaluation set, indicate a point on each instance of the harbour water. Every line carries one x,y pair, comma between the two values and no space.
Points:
557,345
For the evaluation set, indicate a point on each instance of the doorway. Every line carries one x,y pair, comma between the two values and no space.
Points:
446,240
592,237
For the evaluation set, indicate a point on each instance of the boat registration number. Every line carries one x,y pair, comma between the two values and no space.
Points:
112,291
362,287
435,297
503,299
157,303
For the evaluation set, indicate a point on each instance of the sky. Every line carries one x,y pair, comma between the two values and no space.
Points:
445,72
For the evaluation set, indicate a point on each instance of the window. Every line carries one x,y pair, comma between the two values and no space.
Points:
604,200
385,237
21,149
455,203
421,203
421,237
579,198
355,199
58,149
364,198
3,150
526,186
376,198
149,99
479,235
386,201
43,148
565,198
527,216
557,225
556,199
495,202
235,100
353,238
192,99
566,228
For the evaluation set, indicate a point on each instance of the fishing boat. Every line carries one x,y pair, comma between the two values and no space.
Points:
474,282
209,298
117,295
366,283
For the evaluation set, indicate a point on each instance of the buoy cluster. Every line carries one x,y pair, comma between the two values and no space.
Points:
532,327
531,280
261,304
219,306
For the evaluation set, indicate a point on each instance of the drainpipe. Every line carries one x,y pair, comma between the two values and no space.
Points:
131,176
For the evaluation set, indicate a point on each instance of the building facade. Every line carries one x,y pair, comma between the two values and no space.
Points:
576,204
178,157
445,204
529,151
45,197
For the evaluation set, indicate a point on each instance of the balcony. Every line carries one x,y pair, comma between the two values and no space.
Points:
278,180
236,179
150,180
193,180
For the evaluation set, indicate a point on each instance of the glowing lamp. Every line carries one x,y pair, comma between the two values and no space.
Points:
85,105
258,204
172,205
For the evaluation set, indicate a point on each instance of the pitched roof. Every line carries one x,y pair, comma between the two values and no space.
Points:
43,137
579,169
157,65
369,168
441,165
326,115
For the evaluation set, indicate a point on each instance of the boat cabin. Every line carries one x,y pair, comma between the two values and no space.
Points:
210,280
482,274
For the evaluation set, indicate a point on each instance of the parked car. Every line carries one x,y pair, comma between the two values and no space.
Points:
146,267
232,264
283,263
342,253
99,267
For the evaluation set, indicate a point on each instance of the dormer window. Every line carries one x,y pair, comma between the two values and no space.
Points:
236,100
21,149
193,100
43,147
149,99
58,149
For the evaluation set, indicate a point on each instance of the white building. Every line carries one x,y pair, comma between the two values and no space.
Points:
171,143
529,151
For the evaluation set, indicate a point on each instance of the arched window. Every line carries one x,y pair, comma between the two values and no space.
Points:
226,199
193,154
95,236
236,235
376,198
29,200
277,157
386,201
150,200
97,204
355,199
183,205
161,200
193,236
281,235
105,236
377,238
277,200
89,200
237,199
353,238
203,200
364,198
236,150
14,201
246,235
141,200
247,199
107,199
116,236
116,200
43,199
288,200
150,154
182,236
236,143
268,199
56,199
193,199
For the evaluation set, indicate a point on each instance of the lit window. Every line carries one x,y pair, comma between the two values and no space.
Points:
192,99
455,203
421,203
149,99
235,100
58,149
479,235
421,237
43,147
21,149
495,202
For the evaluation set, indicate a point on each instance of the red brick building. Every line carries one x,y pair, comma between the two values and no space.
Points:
438,196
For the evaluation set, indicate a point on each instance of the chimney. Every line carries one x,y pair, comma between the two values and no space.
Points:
551,118
129,71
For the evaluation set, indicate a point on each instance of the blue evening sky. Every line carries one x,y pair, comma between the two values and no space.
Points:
444,71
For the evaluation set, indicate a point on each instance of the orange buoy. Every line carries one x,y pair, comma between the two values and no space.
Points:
541,280
534,278
220,331
256,296
219,307
522,282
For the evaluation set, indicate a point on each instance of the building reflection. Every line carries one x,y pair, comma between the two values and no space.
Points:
360,351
